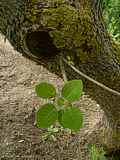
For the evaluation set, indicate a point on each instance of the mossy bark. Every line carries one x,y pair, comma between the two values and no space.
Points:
41,29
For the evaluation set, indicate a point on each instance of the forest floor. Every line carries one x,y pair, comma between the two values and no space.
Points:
20,139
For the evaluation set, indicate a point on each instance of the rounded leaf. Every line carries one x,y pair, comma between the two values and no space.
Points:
45,90
72,90
46,116
71,118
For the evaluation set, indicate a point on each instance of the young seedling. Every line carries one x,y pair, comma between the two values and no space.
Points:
50,134
61,109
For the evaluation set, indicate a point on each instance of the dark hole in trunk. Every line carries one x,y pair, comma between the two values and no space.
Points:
41,44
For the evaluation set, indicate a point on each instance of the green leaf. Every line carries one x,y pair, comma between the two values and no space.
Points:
72,90
72,118
45,90
60,101
46,116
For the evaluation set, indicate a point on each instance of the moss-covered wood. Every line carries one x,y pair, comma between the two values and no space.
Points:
42,29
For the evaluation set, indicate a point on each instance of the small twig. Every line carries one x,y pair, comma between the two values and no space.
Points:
62,68
91,79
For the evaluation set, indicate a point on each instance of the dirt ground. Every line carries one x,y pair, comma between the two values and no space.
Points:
19,137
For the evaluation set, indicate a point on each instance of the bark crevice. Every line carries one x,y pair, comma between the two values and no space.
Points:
40,44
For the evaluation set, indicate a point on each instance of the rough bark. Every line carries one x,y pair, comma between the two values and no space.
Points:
43,29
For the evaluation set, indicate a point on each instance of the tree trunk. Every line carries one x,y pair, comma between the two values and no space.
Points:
42,29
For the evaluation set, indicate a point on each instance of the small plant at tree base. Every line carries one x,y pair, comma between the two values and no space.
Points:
96,153
61,107
50,134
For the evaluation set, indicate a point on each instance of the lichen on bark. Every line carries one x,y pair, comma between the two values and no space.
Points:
72,29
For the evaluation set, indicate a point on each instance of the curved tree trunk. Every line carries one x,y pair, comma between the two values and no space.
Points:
42,29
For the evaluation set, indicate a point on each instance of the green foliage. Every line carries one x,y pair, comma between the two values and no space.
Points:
71,118
50,134
72,90
63,111
45,90
46,115
61,101
112,17
96,153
